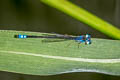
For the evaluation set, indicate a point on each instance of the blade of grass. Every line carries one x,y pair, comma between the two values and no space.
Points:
85,17
31,56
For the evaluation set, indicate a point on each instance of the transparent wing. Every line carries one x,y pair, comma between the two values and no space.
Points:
53,40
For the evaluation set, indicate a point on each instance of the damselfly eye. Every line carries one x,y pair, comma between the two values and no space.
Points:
88,42
87,35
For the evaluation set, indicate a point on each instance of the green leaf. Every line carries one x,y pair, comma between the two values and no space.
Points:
84,16
32,56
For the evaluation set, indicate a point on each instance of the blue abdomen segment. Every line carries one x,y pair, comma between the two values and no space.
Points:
22,36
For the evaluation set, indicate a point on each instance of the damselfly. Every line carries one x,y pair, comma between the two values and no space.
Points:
80,39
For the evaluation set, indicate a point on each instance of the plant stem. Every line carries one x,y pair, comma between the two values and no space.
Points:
85,17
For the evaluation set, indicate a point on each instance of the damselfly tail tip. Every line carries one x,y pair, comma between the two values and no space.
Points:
16,36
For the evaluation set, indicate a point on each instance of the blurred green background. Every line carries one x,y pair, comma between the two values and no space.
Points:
32,15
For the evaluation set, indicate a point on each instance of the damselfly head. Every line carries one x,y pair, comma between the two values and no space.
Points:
88,39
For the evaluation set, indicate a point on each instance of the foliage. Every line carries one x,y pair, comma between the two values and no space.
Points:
85,17
32,56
